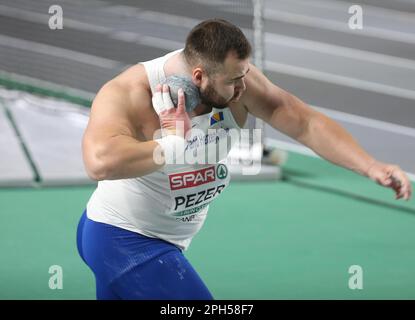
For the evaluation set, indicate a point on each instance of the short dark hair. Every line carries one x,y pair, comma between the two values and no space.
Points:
210,41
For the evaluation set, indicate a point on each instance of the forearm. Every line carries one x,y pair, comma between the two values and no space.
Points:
121,157
333,143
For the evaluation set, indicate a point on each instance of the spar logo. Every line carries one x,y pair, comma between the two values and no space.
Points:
192,178
222,171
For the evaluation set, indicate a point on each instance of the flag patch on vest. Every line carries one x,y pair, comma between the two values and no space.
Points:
216,118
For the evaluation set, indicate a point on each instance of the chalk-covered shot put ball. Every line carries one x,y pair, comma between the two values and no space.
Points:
191,91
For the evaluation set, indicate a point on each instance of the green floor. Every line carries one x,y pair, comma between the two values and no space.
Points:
291,239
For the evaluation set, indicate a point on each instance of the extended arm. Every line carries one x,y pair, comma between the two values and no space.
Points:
327,138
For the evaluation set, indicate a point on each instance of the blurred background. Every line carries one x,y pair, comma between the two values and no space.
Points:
291,238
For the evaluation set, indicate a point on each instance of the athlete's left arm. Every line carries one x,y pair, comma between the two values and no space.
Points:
327,138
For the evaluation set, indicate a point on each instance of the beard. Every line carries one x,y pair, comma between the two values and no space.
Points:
211,98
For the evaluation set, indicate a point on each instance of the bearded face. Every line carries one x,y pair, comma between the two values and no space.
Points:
211,97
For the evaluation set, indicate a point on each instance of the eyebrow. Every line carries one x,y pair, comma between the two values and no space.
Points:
241,76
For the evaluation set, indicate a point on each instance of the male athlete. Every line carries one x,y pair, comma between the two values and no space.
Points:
144,212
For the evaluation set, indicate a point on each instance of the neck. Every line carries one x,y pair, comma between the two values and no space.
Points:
199,110
184,64
176,65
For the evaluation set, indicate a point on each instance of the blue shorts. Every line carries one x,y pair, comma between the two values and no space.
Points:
128,265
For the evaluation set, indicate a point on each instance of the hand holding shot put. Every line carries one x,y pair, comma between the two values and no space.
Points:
174,120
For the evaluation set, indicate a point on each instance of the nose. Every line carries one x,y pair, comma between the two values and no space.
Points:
241,85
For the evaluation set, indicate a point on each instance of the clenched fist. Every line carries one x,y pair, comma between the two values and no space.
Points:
391,176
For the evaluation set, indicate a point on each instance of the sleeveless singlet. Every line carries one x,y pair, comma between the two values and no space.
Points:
171,203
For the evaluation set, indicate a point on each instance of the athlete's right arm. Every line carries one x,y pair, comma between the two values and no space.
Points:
111,149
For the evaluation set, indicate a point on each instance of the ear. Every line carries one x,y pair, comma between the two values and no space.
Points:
197,76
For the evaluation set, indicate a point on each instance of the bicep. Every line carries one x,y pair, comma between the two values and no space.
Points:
291,116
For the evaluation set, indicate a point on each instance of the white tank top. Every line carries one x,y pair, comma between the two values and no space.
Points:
170,203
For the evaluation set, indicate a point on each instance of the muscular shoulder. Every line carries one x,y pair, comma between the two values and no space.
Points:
261,96
132,85
126,100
